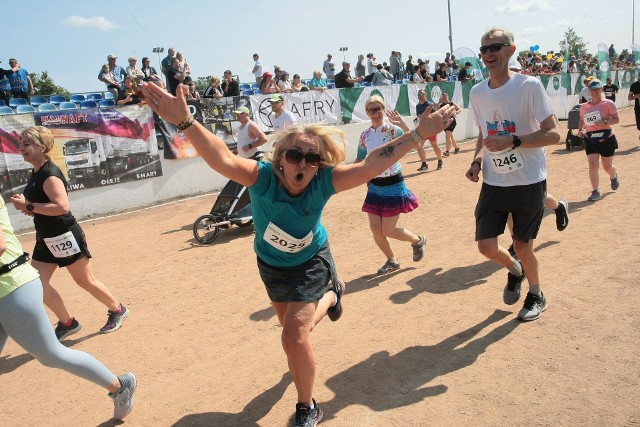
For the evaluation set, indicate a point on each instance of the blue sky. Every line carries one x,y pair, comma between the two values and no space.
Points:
71,39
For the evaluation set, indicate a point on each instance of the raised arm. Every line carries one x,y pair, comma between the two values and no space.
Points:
212,149
346,177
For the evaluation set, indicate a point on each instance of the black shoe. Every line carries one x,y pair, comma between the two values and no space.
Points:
562,215
533,307
457,150
511,293
63,332
335,312
307,417
423,167
445,154
440,164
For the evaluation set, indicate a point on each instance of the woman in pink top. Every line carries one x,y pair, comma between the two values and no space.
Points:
596,118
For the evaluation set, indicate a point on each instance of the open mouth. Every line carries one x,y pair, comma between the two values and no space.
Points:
299,176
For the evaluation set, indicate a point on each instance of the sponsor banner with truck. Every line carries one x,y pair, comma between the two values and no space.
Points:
106,146
14,171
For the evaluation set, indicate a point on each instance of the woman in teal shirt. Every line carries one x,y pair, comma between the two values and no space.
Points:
288,195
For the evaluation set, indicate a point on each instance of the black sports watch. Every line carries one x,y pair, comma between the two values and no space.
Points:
516,141
29,207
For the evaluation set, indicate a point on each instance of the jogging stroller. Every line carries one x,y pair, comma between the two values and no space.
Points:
231,207
574,141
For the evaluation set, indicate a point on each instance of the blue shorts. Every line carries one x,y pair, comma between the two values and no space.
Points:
307,282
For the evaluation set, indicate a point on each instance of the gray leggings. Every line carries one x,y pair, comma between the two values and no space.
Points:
22,317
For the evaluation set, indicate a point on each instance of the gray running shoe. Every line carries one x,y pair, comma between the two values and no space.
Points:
511,293
123,398
63,332
456,151
534,305
615,183
562,215
595,195
307,417
445,153
115,320
388,267
418,248
424,167
335,312
440,164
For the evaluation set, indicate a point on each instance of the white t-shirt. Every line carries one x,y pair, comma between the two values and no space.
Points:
244,139
517,107
259,71
584,93
371,68
285,120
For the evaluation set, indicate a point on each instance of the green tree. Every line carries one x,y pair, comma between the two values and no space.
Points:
577,45
44,85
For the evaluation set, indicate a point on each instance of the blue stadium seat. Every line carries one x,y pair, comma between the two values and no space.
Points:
108,95
107,103
57,99
94,97
257,92
255,86
356,84
14,102
22,109
47,106
68,106
248,92
6,110
37,100
77,98
2,103
88,104
245,86
331,86
331,81
365,84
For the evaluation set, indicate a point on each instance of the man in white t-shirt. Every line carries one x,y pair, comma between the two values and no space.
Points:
329,67
257,68
282,118
516,122
249,136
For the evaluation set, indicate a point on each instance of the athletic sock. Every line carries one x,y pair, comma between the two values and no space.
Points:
534,289
516,269
335,299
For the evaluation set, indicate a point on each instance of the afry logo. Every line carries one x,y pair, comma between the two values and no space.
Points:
265,112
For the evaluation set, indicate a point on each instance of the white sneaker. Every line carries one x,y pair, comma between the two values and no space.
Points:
123,398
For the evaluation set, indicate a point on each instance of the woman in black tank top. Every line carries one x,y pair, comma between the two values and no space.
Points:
448,132
60,241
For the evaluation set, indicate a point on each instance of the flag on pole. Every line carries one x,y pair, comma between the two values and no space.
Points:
603,61
565,62
635,48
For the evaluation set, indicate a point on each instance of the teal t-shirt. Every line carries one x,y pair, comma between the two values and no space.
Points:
288,231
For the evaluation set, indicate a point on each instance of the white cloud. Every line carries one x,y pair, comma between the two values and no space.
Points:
99,22
532,30
518,7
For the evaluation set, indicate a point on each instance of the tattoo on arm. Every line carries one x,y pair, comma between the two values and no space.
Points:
388,151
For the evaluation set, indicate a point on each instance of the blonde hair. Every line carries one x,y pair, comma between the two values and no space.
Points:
331,144
375,98
40,136
214,79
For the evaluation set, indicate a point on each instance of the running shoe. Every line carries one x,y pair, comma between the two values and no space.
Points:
615,184
562,215
534,305
457,150
63,332
440,164
115,320
418,248
123,398
445,154
595,195
335,311
423,167
388,267
511,293
307,417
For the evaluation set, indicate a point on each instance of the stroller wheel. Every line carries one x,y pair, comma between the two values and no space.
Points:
203,229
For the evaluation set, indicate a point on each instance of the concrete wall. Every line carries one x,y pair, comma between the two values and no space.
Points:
189,177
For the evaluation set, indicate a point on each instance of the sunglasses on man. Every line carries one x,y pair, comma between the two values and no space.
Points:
294,157
494,47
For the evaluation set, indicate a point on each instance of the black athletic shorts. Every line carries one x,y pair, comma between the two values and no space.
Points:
307,282
42,253
524,202
606,148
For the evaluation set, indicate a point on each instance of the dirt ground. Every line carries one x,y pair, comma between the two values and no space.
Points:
431,345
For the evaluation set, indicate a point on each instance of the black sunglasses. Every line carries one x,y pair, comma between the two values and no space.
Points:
374,110
294,157
494,47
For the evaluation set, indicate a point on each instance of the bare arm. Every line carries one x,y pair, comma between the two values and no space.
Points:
549,134
473,174
212,149
54,189
346,177
260,136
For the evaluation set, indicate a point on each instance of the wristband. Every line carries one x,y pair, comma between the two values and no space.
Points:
416,137
516,141
477,163
185,123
